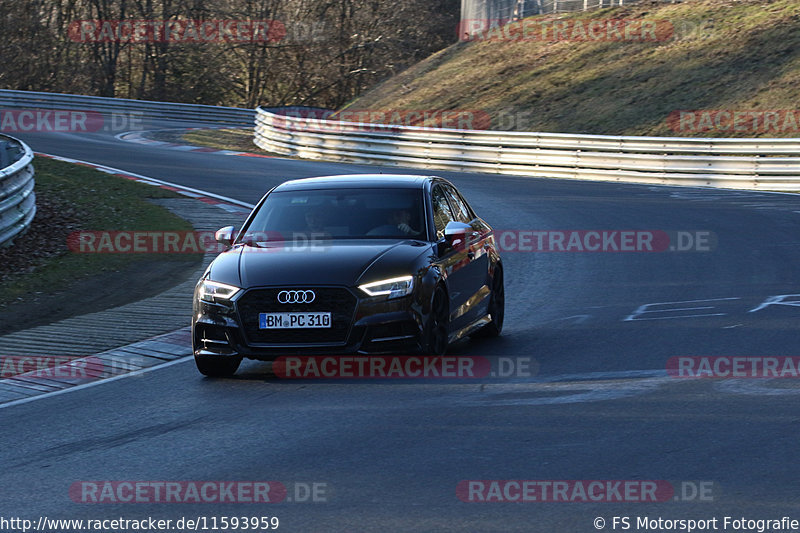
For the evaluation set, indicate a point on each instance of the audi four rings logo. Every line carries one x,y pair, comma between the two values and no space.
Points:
296,297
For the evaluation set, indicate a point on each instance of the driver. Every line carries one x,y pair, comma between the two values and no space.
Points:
401,218
314,221
398,224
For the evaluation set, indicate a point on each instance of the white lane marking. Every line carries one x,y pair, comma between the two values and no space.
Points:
758,387
604,386
94,383
191,194
571,388
673,317
574,319
778,300
112,170
724,192
139,134
645,309
608,375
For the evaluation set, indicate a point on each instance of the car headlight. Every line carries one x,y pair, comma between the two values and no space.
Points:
391,288
211,291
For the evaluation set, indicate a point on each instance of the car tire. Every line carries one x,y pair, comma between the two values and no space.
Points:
497,304
217,366
437,326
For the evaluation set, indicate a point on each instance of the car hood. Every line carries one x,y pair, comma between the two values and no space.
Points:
335,262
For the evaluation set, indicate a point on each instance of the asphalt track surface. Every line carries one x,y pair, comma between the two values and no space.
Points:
597,403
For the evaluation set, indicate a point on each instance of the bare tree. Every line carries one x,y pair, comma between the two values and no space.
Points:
318,52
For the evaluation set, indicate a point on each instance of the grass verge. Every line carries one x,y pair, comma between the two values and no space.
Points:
42,281
237,139
225,139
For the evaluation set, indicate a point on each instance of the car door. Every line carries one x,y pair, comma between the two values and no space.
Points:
452,261
476,267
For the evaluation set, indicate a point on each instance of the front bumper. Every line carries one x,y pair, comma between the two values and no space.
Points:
360,325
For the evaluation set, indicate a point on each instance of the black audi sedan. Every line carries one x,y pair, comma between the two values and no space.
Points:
368,264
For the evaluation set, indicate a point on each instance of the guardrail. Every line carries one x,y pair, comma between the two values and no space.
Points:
233,116
764,164
17,199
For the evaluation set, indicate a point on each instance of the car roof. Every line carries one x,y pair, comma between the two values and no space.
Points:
395,181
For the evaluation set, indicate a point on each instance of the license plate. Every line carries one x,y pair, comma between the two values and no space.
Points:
293,320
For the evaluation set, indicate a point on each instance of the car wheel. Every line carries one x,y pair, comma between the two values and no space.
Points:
437,328
217,366
497,304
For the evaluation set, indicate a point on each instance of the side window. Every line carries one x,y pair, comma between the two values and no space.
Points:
441,211
462,212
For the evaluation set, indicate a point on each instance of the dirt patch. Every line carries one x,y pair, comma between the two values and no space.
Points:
46,238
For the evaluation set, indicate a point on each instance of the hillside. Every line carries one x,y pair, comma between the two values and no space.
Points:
713,56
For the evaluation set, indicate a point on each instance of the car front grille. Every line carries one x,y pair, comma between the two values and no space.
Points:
338,301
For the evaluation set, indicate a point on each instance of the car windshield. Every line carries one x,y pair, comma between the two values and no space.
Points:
339,214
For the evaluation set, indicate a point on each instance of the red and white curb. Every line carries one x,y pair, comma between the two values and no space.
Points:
79,373
140,138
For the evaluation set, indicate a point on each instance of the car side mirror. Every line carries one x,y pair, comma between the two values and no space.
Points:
455,235
225,235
